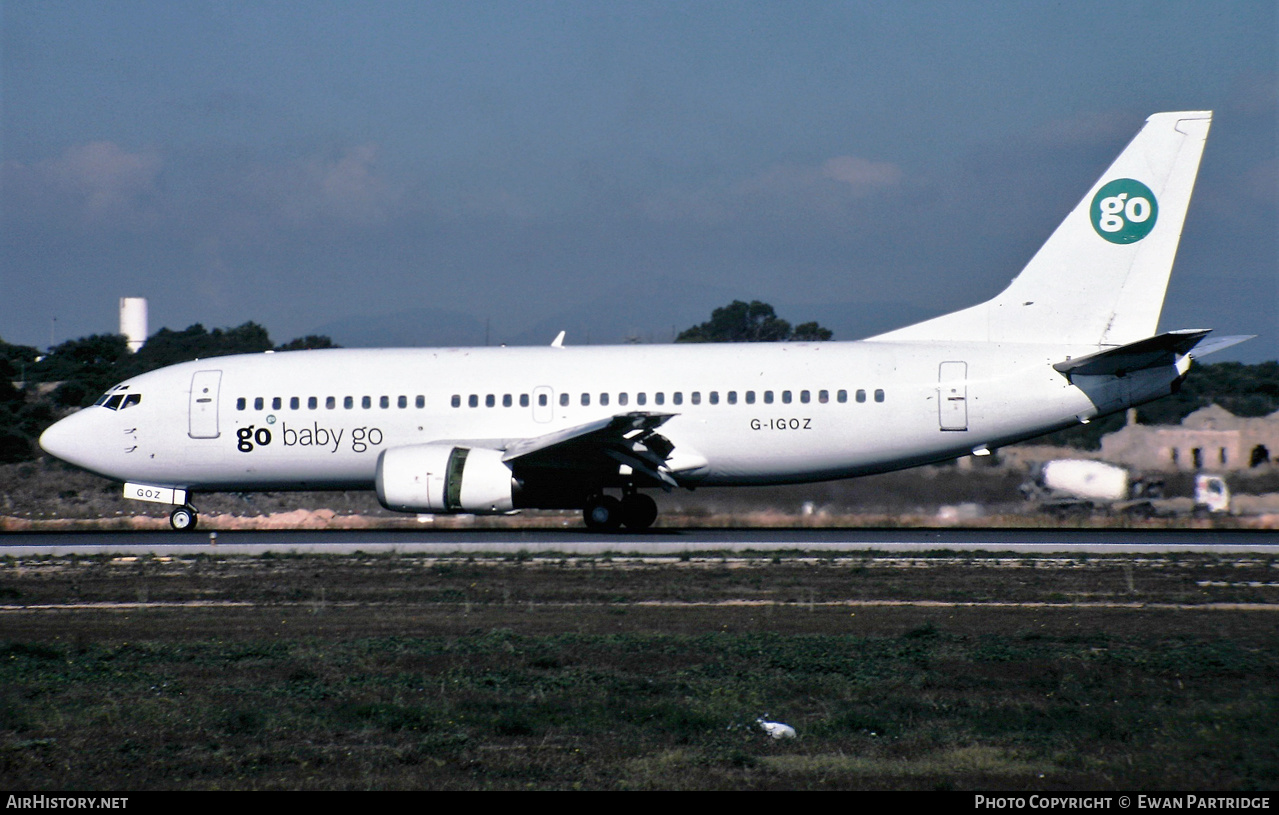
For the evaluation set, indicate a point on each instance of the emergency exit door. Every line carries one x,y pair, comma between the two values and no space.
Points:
543,410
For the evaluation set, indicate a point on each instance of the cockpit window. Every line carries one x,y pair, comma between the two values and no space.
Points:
118,399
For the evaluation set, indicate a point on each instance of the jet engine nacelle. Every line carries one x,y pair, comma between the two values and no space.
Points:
444,478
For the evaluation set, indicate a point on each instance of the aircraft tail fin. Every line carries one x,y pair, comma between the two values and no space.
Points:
1101,277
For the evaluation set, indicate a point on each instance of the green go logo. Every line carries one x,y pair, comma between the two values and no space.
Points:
1124,211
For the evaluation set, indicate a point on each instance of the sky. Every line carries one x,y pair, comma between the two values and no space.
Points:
303,163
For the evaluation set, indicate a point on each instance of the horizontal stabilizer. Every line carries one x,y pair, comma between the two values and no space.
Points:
1153,352
1215,344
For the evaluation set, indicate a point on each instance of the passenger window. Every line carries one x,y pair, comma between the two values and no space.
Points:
603,398
239,403
750,397
366,402
785,397
490,400
823,396
330,402
622,399
659,398
563,400
586,399
768,397
385,402
420,401
542,400
348,402
678,397
403,402
312,402
457,400
641,398
473,400
842,396
879,395
861,395
805,397
714,397
257,403
732,397
276,404
294,403
506,400
524,399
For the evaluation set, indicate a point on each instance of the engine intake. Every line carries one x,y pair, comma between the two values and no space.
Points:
444,478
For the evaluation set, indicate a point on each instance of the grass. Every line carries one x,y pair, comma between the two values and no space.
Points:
554,675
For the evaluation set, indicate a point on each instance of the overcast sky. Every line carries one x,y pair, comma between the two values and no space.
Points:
296,163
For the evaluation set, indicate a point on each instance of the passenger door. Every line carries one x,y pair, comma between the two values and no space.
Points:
204,405
952,395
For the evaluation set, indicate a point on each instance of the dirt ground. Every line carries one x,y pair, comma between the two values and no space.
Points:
517,672
47,494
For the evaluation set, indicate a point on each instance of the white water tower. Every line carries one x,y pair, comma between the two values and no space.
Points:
133,321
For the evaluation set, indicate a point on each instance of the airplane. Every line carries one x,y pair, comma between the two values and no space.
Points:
495,430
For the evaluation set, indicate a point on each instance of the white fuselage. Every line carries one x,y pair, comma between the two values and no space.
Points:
743,413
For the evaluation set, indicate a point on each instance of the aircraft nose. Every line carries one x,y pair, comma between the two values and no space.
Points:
64,440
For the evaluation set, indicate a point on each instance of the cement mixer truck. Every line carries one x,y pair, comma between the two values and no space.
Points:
1065,486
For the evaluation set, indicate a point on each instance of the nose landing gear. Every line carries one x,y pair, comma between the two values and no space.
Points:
183,518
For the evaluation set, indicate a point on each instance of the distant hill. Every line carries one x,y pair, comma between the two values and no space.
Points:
654,313
420,327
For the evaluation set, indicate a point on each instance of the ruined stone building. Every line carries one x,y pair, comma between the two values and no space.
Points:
1211,438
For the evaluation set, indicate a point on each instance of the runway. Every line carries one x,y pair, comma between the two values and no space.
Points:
657,542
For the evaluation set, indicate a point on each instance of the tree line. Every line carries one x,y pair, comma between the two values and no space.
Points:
37,387
751,322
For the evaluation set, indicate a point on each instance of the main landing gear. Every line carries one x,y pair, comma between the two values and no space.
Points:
183,518
604,513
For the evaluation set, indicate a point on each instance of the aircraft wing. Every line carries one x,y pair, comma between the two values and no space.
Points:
628,438
1153,352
